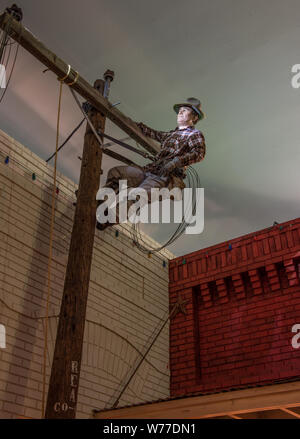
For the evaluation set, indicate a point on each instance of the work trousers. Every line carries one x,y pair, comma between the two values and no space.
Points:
136,178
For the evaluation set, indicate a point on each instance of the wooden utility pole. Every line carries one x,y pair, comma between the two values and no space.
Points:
64,380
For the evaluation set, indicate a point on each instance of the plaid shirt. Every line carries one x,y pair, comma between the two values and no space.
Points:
187,144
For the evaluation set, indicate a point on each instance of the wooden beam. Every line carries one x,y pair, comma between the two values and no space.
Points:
120,158
230,403
290,412
27,40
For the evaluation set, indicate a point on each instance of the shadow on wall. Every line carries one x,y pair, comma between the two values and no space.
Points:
25,373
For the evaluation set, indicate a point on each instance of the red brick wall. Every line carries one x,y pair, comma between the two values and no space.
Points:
243,299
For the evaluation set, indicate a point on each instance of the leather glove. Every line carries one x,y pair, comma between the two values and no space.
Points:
169,167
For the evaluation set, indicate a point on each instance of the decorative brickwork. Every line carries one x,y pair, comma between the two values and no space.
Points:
244,298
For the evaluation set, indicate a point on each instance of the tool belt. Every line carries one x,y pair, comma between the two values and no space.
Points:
175,179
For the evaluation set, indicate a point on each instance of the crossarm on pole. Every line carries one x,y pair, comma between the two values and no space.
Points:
60,68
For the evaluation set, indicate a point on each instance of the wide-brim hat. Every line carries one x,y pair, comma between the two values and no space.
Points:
192,103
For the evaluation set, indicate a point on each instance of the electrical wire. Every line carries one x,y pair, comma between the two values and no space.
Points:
4,38
85,108
138,360
193,181
50,251
5,41
192,177
67,139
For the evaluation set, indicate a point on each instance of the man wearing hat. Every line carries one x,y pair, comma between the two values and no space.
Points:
180,148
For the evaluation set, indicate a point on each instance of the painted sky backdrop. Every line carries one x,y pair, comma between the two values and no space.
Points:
235,56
